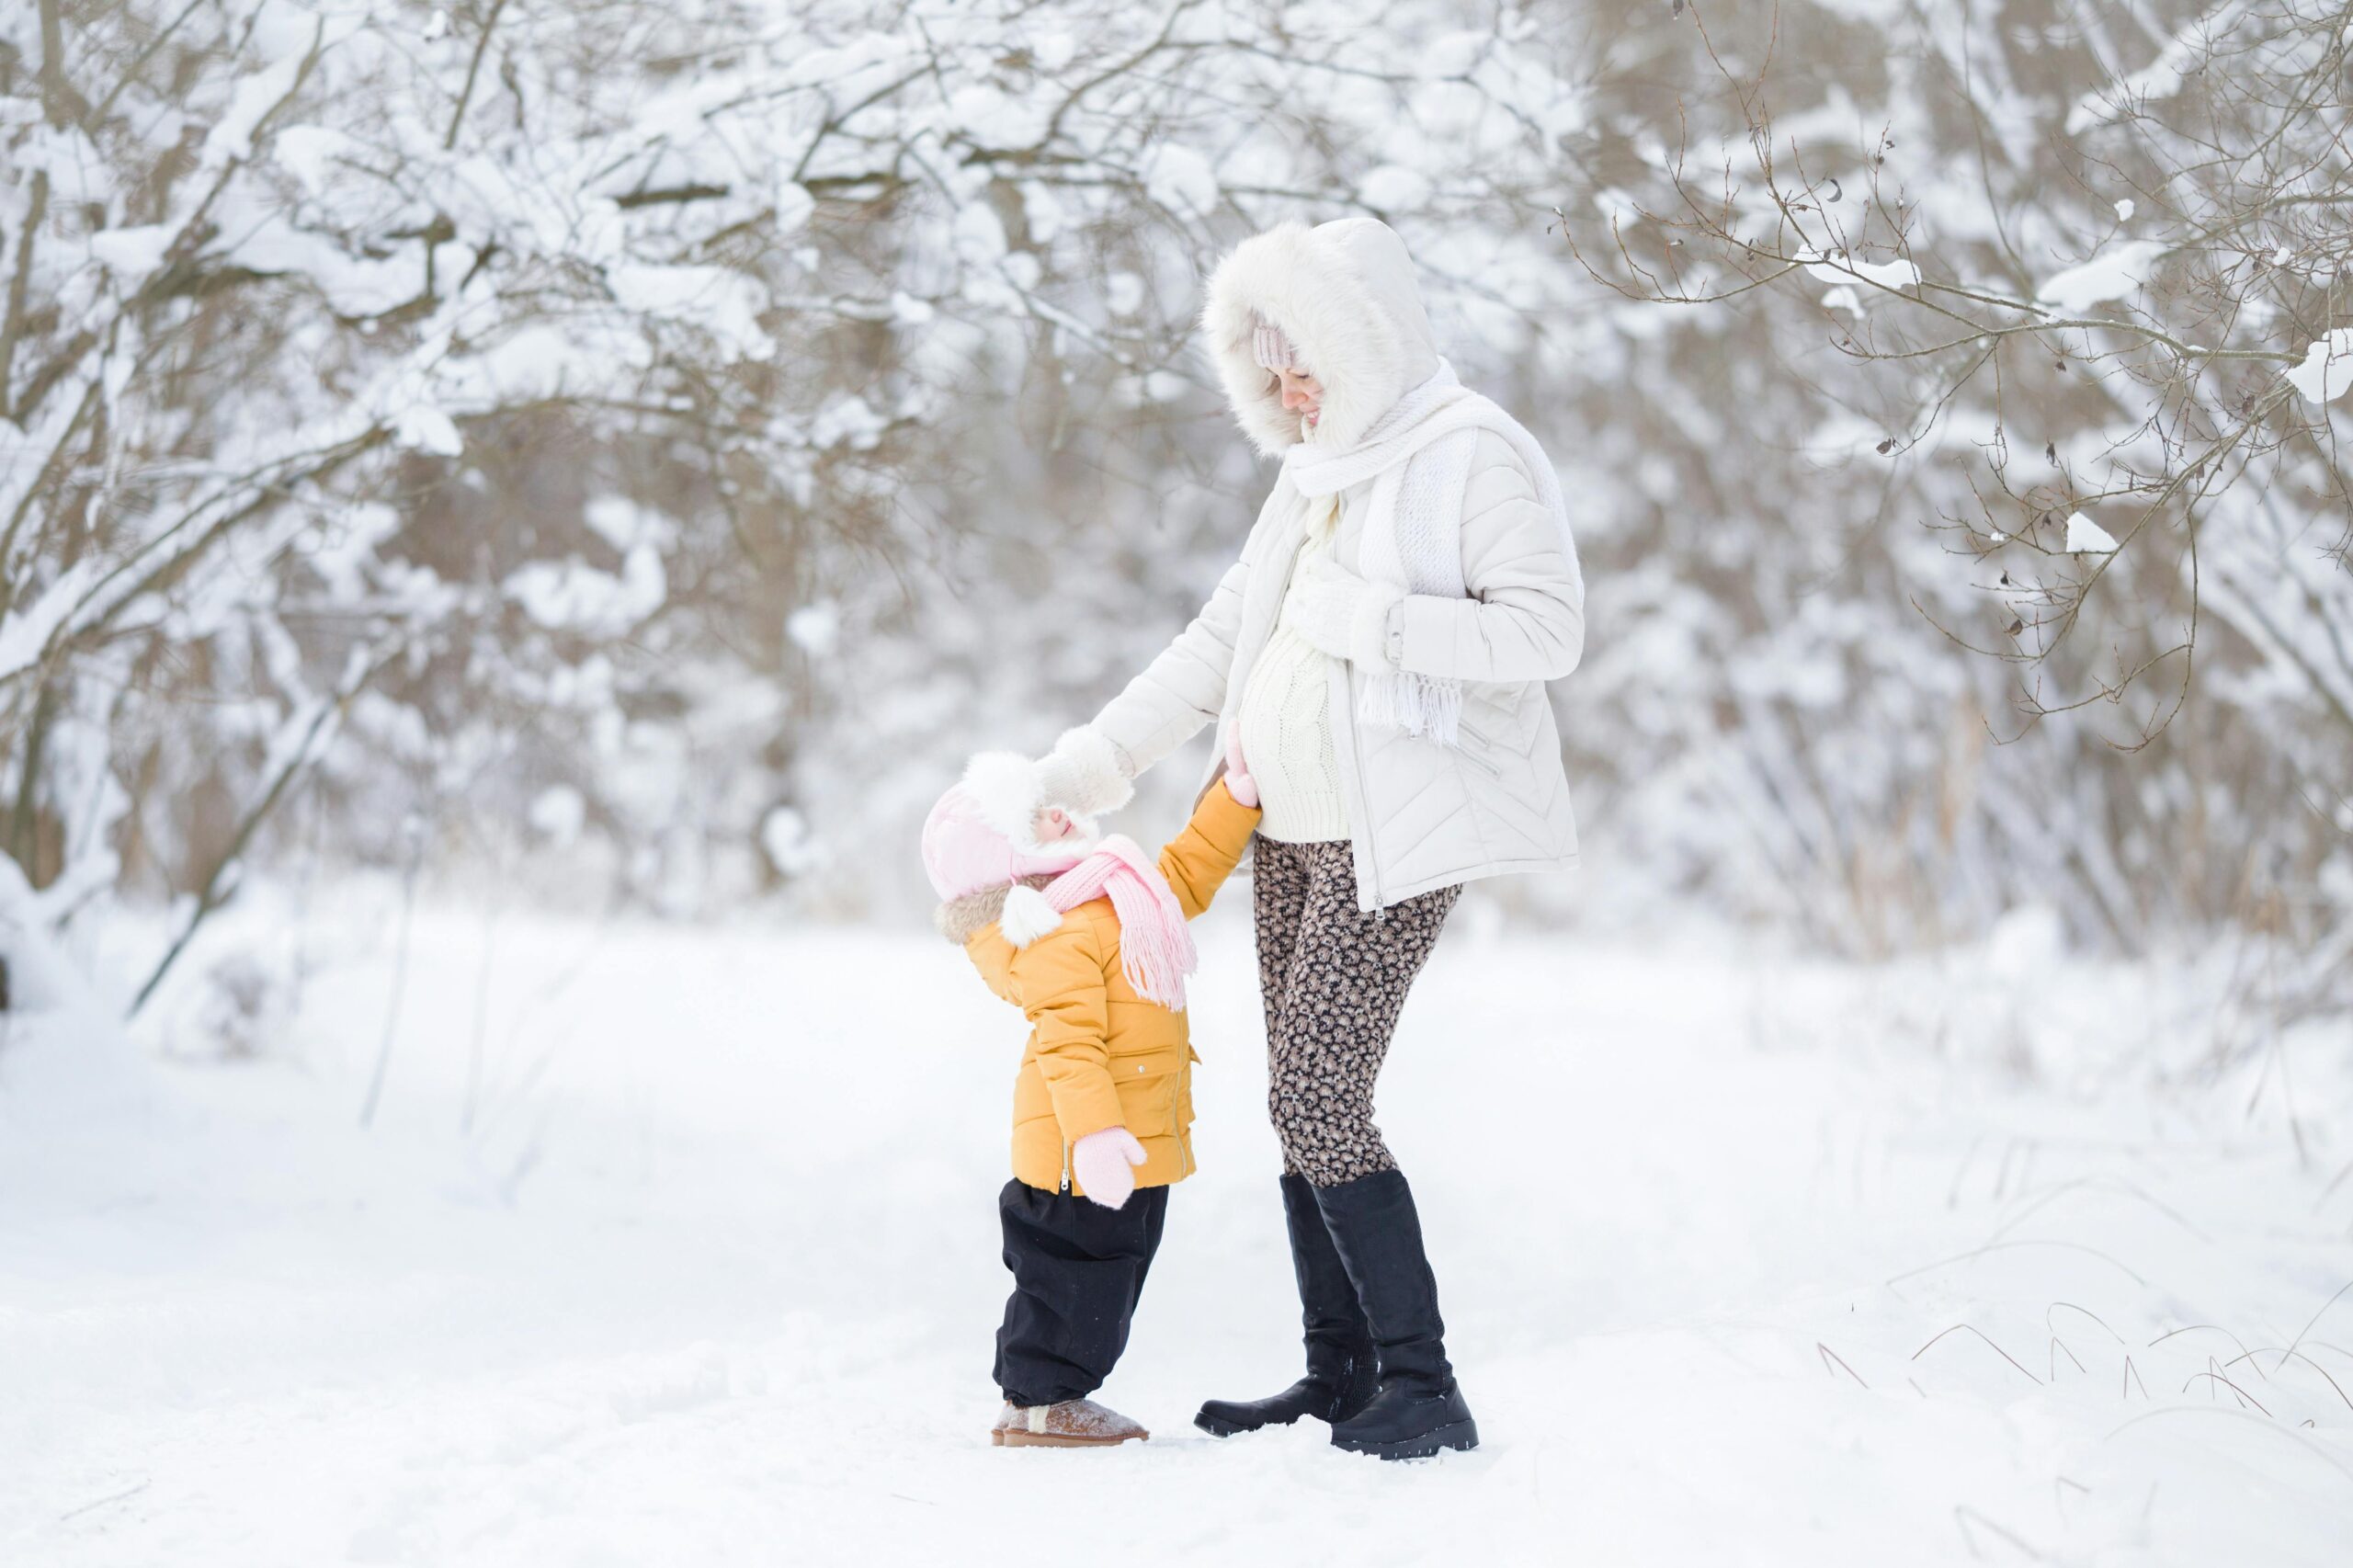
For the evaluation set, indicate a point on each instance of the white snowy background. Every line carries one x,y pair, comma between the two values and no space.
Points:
509,513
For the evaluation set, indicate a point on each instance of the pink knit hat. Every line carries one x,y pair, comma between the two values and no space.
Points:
1270,345
978,835
978,839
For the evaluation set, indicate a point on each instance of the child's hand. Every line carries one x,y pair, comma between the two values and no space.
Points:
1238,781
1100,1161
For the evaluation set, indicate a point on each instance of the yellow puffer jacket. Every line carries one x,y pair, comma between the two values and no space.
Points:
1099,1056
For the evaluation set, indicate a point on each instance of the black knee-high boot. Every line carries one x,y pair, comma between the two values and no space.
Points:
1341,1373
1419,1410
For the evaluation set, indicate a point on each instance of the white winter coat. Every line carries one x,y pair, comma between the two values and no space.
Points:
1423,815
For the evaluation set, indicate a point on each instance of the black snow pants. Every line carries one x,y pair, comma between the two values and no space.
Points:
1078,1272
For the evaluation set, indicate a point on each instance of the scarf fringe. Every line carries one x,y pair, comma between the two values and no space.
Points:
1427,707
1418,455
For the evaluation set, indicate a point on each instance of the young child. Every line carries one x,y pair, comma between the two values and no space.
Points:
1088,939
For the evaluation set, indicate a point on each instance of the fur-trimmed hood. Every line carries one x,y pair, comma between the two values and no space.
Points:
1346,294
960,919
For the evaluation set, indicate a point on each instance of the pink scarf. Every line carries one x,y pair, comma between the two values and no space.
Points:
1155,945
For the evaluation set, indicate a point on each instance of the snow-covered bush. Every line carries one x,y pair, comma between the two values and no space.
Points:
2062,286
631,453
424,409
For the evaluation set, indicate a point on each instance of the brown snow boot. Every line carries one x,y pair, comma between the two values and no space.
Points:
1072,1424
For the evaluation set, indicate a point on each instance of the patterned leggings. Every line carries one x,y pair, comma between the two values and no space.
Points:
1333,981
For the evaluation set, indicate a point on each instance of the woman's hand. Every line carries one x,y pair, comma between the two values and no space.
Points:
1339,613
1238,781
1083,775
1102,1162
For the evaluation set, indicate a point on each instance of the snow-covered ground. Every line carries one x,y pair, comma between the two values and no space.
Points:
676,1246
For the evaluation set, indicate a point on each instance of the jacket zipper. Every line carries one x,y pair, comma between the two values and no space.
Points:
1356,755
1356,750
1066,1167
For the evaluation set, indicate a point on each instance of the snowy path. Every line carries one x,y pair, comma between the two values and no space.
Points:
621,1276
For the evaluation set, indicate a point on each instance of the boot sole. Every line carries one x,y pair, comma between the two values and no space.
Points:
1219,1427
1457,1436
1055,1441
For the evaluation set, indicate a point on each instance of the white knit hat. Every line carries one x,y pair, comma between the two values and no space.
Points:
1270,345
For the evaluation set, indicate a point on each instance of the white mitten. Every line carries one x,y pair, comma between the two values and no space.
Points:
1102,1162
1339,613
1084,774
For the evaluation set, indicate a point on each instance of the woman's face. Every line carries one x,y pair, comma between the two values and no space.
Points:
1304,395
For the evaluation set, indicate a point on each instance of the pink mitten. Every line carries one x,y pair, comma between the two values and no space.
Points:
1100,1160
1238,781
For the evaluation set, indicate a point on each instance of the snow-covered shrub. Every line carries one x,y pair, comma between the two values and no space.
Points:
2018,324
237,1009
715,418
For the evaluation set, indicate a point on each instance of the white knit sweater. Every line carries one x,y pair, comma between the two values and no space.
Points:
1286,720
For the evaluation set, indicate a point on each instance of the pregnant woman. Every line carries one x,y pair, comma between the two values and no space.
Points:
1382,647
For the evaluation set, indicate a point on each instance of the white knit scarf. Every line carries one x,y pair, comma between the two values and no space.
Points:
1418,457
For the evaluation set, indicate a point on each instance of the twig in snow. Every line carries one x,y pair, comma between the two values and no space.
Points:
2228,1384
1961,1172
2002,1171
482,1022
1998,1350
2004,1246
133,1491
499,1096
2330,1190
1962,1512
2308,1361
2086,1311
2132,1189
227,872
2315,1319
1829,1356
400,975
2195,1327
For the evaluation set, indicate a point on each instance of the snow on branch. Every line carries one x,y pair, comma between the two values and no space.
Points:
2179,345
